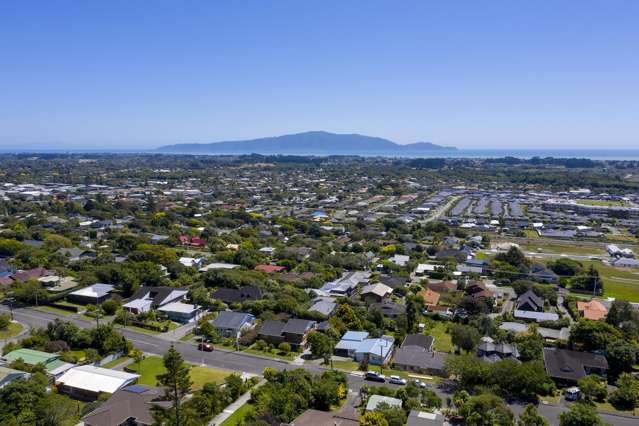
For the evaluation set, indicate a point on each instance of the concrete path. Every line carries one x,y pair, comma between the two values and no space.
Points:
228,411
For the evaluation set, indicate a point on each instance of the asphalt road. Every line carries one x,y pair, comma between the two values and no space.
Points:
241,362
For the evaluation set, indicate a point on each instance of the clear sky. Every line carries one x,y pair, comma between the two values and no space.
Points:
474,74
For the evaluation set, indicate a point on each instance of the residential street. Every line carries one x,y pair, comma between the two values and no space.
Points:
241,362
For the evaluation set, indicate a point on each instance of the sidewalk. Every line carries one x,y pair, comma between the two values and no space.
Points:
233,407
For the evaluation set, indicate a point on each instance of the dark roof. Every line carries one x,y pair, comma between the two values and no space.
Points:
420,340
389,308
234,295
298,326
571,365
393,282
132,402
272,328
531,299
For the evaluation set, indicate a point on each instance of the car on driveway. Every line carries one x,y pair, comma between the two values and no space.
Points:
420,384
375,377
396,380
206,347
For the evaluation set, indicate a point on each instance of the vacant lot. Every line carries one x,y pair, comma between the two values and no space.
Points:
153,366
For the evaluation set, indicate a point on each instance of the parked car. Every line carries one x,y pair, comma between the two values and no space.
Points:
420,384
572,394
206,347
396,380
376,377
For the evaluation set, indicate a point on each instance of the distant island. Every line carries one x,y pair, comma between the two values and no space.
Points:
316,142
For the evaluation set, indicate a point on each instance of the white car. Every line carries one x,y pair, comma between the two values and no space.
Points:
396,380
420,384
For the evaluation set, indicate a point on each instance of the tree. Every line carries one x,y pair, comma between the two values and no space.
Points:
580,414
621,356
486,409
373,418
321,346
593,388
531,417
54,410
177,384
626,397
588,281
284,347
465,337
593,335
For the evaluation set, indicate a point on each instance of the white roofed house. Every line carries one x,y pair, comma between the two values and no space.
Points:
192,262
400,259
94,294
148,298
375,293
87,382
180,312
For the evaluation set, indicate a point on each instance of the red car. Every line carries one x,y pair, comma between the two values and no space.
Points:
206,347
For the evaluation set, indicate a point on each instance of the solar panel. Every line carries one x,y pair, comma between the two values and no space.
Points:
136,389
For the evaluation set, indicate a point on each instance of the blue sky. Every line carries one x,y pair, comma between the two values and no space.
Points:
474,74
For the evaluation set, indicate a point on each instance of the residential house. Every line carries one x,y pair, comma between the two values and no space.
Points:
87,382
478,289
542,274
443,286
238,295
293,332
625,262
31,274
389,309
400,259
323,305
148,298
191,262
231,324
490,351
593,310
181,312
94,294
346,284
375,400
529,301
430,297
536,316
75,254
377,351
269,269
424,418
567,367
375,293
416,354
129,406
8,375
349,343
52,363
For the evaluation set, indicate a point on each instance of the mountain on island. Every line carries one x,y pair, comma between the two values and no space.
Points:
310,143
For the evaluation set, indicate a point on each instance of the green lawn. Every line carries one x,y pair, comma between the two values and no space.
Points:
443,342
153,366
54,310
238,416
568,249
346,365
605,203
13,329
620,283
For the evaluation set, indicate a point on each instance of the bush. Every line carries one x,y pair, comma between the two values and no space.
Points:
284,347
5,320
110,307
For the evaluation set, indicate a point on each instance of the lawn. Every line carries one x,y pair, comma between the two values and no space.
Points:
54,310
13,329
604,203
568,249
238,416
620,283
346,365
443,342
153,366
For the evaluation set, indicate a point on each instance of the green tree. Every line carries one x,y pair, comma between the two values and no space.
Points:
531,417
373,418
593,335
593,388
580,414
177,384
626,397
465,337
621,356
321,346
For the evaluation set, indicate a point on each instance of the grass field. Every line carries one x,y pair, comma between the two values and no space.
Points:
603,203
620,283
153,366
54,310
238,416
567,248
13,329
273,353
443,342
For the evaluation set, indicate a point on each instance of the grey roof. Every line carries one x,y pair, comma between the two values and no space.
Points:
531,299
421,418
420,340
537,316
324,307
272,328
232,320
298,326
131,402
415,356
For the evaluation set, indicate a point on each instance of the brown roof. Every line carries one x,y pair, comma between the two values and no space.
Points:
443,286
430,297
592,310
